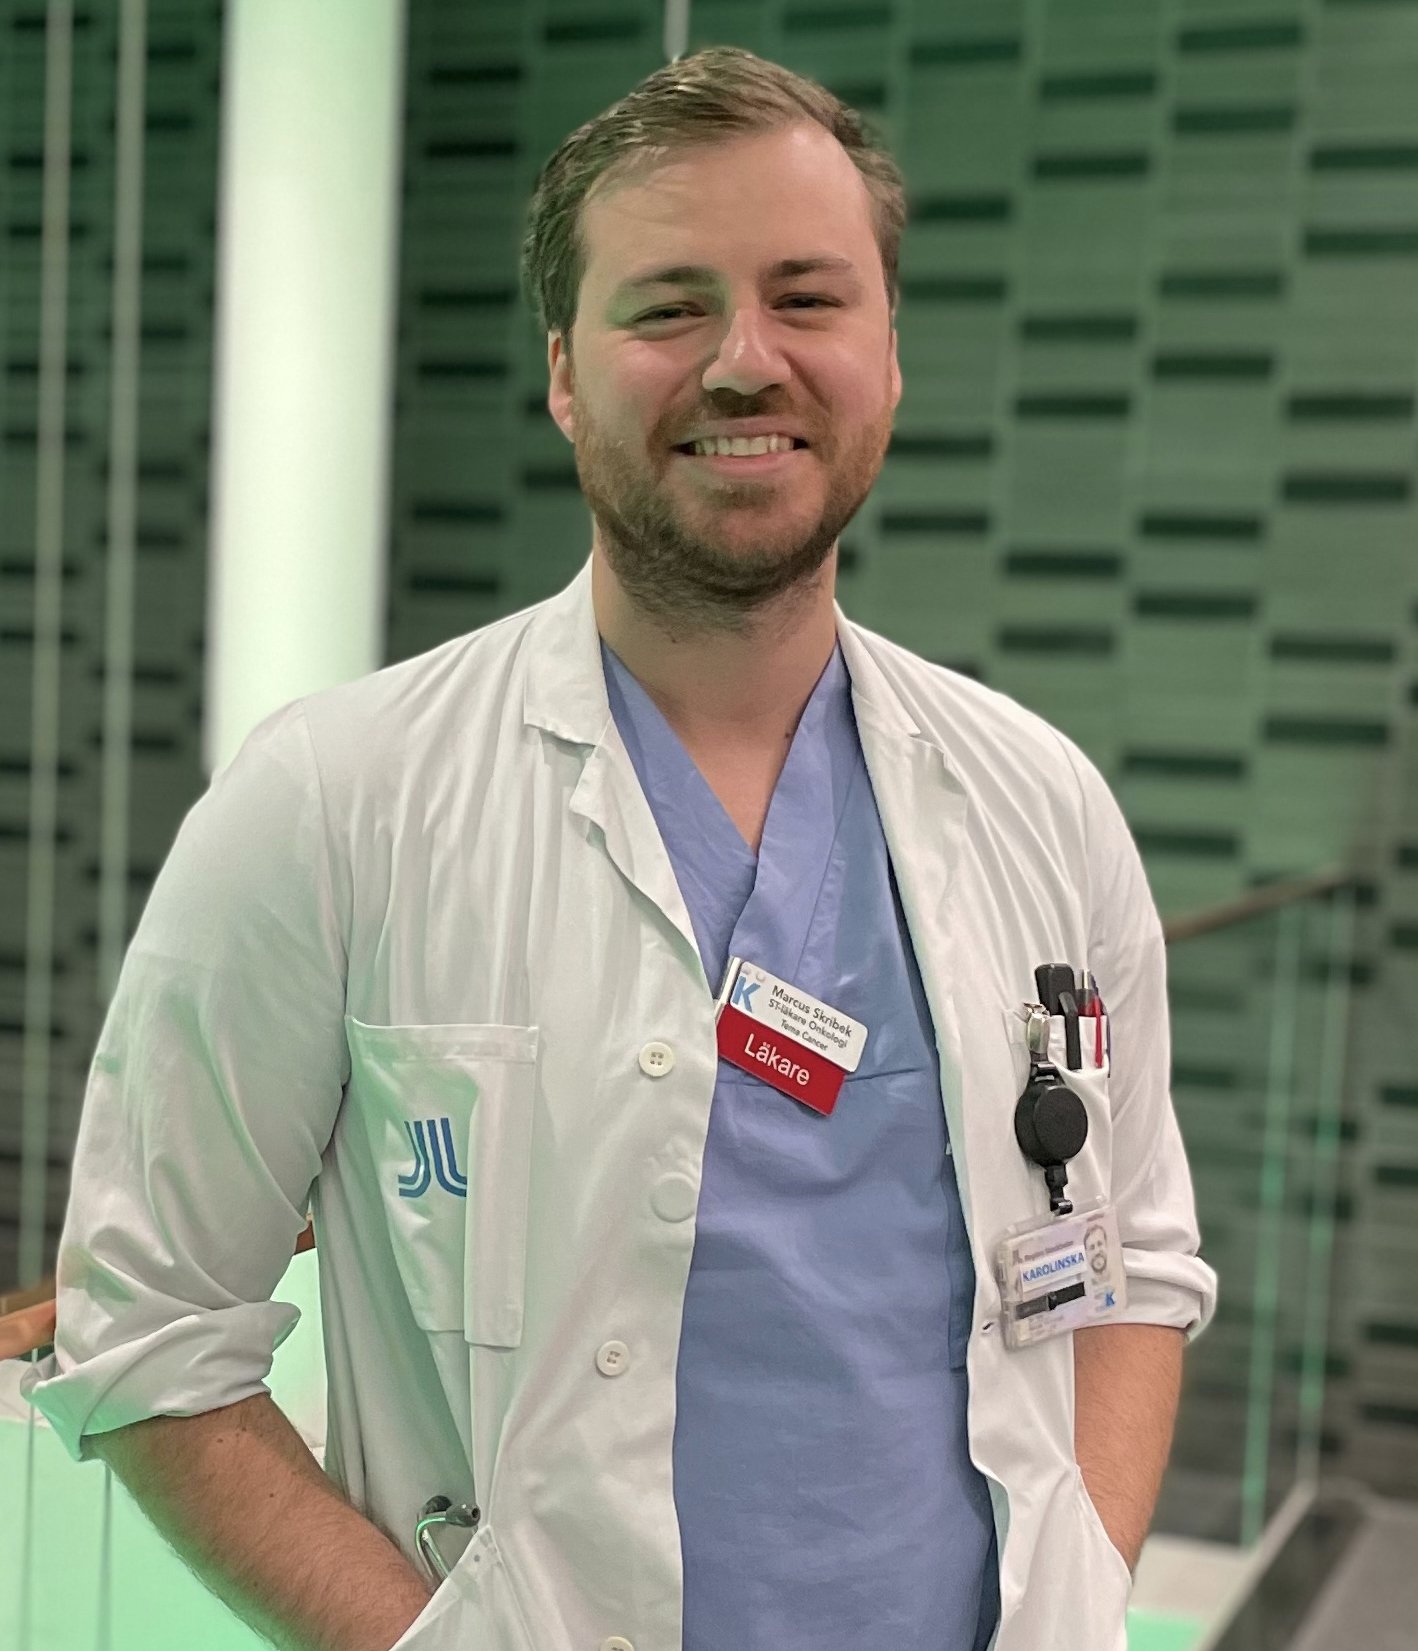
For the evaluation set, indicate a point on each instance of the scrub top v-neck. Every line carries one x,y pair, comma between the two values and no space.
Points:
823,1482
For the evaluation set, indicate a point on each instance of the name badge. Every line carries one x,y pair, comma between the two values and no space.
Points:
780,1034
1061,1273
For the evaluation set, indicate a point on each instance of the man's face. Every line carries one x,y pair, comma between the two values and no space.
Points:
1095,1242
655,363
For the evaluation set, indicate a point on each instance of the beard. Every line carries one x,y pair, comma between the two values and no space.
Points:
708,558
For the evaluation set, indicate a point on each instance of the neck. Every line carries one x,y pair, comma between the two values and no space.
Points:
748,684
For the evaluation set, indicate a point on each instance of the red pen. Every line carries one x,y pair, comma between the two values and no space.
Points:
1090,1003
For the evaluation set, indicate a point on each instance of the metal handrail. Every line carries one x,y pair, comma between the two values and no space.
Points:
27,1317
1268,897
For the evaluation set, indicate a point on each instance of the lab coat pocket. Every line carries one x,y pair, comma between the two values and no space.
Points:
476,1605
1090,1172
448,1111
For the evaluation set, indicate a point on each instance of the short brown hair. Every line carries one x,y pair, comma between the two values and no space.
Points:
713,94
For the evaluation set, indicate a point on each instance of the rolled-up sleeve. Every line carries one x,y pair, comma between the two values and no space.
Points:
1167,1281
211,1097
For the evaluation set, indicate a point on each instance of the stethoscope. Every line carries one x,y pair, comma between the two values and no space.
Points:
439,1510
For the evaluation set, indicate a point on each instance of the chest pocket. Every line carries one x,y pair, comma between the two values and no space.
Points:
1090,1174
448,1115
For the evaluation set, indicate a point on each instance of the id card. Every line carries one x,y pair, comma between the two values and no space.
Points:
1061,1273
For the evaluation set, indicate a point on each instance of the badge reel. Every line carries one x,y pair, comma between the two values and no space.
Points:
1066,1271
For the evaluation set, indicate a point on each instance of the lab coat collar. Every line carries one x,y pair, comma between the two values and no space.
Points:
566,687
874,700
565,696
565,691
922,802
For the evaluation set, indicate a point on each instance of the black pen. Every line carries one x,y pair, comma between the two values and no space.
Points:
1051,979
1073,1046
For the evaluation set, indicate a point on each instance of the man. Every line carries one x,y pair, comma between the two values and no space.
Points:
460,951
1095,1243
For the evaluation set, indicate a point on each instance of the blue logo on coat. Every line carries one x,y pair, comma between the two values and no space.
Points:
434,1156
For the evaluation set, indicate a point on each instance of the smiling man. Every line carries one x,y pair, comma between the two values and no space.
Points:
637,989
715,261
731,407
729,383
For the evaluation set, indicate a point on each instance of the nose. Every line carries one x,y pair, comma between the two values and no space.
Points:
748,360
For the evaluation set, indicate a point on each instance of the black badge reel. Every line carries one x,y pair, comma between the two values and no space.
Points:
1065,1271
1050,1122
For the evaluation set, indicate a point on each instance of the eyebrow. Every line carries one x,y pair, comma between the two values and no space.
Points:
700,275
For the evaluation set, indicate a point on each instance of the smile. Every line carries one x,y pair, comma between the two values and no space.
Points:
745,464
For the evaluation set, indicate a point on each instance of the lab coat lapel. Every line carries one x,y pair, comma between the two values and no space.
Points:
565,696
610,797
922,804
923,810
923,816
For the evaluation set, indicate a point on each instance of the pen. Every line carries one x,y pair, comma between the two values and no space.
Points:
1090,1003
1068,1008
1051,979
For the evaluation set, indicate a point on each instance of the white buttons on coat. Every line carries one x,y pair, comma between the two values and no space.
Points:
616,1643
613,1359
656,1059
674,1197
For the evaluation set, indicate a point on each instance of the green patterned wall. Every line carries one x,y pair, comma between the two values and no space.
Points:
1153,476
100,680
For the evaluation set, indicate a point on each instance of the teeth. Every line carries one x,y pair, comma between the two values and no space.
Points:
743,446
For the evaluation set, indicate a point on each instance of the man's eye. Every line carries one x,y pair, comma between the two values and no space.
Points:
793,298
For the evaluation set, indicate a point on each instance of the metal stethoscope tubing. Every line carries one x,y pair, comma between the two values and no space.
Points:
439,1510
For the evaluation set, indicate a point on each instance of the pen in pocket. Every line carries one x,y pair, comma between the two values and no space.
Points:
1090,1004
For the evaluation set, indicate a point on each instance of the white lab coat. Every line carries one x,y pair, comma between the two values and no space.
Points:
438,894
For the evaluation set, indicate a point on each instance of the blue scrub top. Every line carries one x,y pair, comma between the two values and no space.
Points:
822,1475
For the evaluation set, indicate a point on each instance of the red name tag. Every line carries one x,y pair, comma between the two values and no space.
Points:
799,1072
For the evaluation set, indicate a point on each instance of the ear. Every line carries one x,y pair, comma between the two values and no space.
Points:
559,391
895,371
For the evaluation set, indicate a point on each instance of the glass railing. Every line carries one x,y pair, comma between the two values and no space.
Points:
1259,995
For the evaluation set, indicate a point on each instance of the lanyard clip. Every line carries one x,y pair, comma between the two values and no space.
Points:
1036,1031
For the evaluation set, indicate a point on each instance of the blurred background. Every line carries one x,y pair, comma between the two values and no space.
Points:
274,415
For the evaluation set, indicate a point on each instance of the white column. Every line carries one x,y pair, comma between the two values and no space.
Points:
307,266
676,35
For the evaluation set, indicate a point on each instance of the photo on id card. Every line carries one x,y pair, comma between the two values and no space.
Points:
1060,1273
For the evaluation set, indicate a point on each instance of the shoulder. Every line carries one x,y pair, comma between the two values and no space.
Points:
395,720
424,682
1033,792
994,745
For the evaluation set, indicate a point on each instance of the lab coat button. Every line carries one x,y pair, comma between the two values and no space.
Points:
613,1359
616,1643
674,1197
656,1059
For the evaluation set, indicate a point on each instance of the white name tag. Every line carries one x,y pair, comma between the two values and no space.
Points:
790,1011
